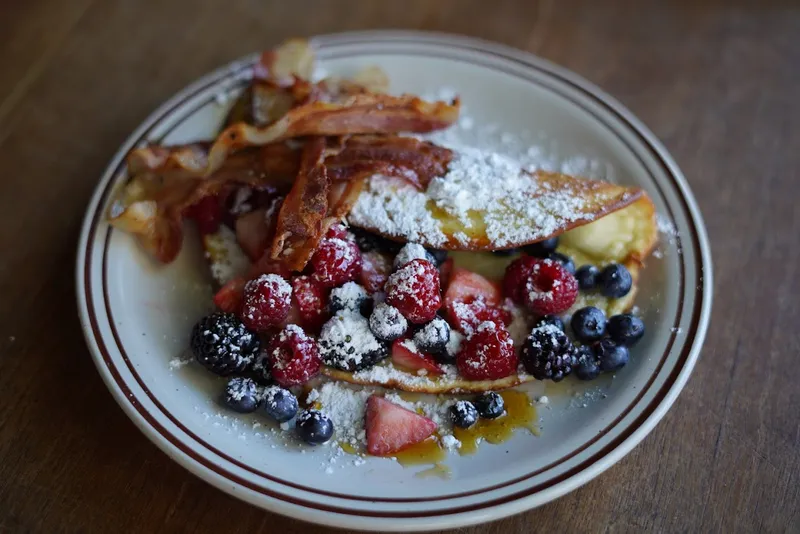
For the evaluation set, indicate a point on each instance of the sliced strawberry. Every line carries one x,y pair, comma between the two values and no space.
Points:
206,213
466,316
392,428
252,233
407,356
445,271
375,270
466,286
229,297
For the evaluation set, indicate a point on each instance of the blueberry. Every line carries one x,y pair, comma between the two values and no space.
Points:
565,261
542,248
241,395
261,371
611,355
280,404
439,256
453,347
588,324
464,414
588,366
615,281
314,427
350,296
587,276
490,405
387,323
625,329
433,336
505,252
554,320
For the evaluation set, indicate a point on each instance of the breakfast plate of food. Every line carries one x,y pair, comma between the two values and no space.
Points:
394,281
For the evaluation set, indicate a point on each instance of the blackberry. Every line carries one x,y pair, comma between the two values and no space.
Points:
241,395
625,329
433,336
588,366
223,344
588,324
542,248
367,241
347,343
548,354
387,323
350,296
564,260
463,414
587,276
615,281
554,320
280,404
314,427
490,405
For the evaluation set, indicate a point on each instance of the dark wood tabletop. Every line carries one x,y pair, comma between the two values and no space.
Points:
718,82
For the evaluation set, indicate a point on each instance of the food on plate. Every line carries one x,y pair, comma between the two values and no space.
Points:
348,248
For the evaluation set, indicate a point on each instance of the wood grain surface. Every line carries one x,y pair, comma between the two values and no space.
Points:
718,82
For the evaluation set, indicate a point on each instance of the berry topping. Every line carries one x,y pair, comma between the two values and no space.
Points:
554,320
293,356
588,366
241,395
336,261
412,251
439,256
490,405
406,355
488,354
375,270
207,214
337,231
564,260
346,343
253,233
541,249
223,344
391,428
309,296
463,414
587,276
280,404
229,297
517,274
548,354
350,296
612,356
550,288
261,371
615,281
465,317
266,302
387,323
466,286
625,329
453,347
314,427
433,337
414,290
445,271
368,242
588,324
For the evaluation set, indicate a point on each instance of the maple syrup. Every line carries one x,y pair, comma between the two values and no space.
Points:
520,413
429,451
438,470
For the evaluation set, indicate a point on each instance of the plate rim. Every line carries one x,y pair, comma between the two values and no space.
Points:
702,259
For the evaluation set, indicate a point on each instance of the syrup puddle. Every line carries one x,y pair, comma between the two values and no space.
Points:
520,413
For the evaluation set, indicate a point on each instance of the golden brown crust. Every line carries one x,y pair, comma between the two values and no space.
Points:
433,386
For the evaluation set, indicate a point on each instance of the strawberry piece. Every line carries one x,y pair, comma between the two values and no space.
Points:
230,296
207,214
414,290
488,354
336,262
293,357
375,270
550,288
266,302
406,355
517,274
252,233
391,428
467,316
311,302
445,271
466,286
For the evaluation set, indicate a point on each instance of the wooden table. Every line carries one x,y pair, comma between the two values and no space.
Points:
718,83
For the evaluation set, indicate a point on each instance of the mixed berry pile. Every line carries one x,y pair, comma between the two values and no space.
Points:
364,299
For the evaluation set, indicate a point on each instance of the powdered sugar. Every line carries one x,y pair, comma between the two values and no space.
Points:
350,296
410,251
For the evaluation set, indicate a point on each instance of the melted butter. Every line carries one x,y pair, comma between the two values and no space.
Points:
438,471
426,452
520,413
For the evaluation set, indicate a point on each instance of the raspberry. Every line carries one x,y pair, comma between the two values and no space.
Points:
488,354
550,288
337,231
311,302
376,269
266,302
517,273
414,290
294,357
336,261
207,214
467,316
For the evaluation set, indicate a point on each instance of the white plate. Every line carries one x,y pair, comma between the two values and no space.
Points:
137,315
